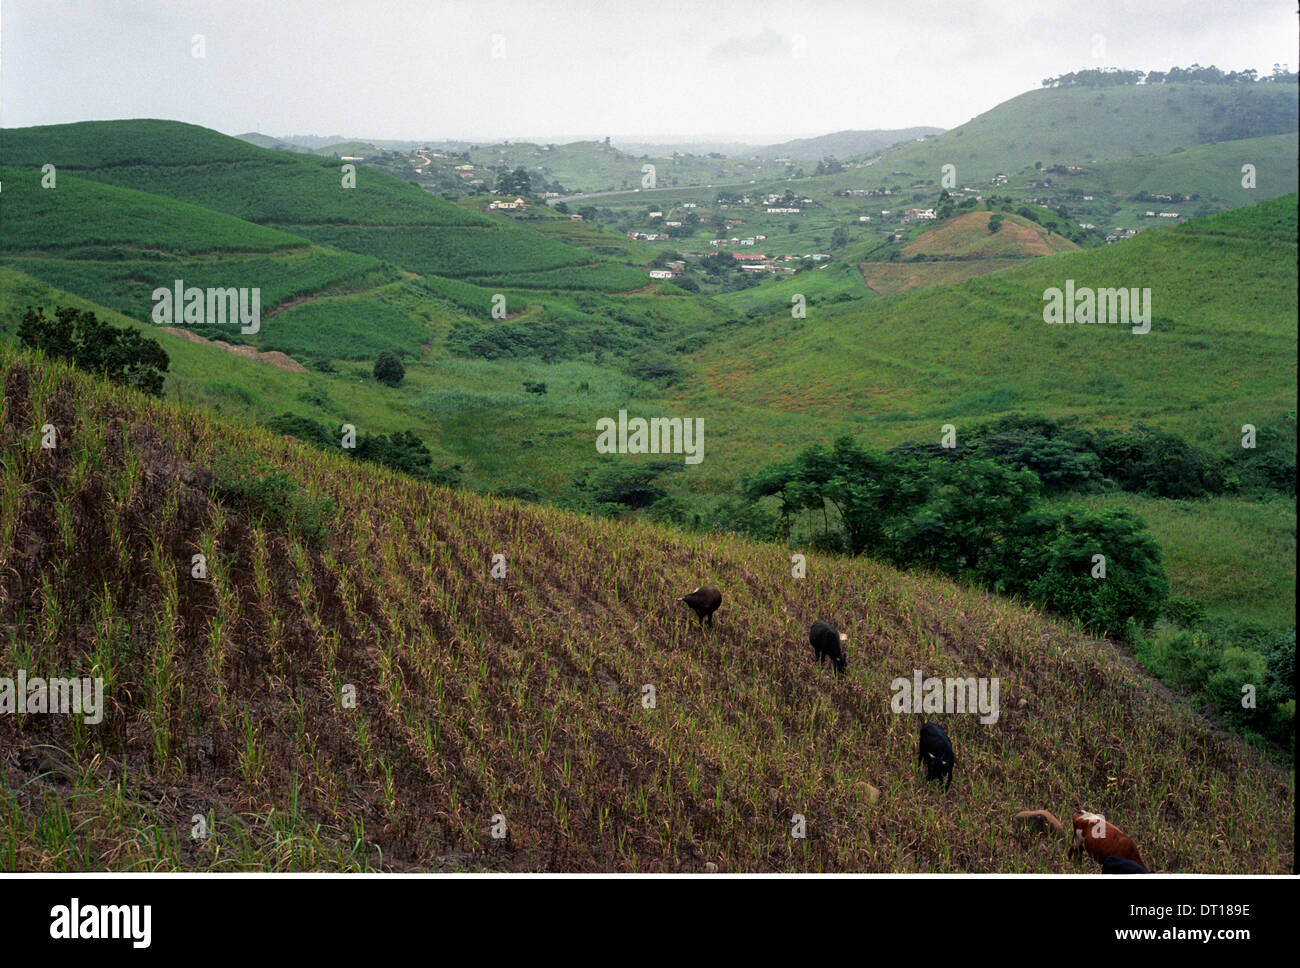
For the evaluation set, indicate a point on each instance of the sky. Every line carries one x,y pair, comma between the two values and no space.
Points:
757,71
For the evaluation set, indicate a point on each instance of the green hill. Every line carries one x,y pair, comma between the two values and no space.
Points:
1223,331
844,144
1081,126
525,698
266,141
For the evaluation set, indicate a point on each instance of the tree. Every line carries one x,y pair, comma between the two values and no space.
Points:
77,336
389,368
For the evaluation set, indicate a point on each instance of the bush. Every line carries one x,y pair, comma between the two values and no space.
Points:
78,337
1269,465
304,429
402,451
1154,462
1054,565
747,520
258,489
389,368
616,489
974,519
1184,612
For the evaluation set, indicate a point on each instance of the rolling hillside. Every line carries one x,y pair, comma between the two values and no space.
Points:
1079,126
843,144
897,368
868,361
518,700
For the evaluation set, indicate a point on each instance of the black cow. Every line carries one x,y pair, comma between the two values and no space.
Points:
936,753
827,644
1122,865
704,601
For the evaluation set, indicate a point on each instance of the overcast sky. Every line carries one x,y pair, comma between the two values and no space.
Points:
751,70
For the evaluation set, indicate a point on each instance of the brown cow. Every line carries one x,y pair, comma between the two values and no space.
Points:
1101,839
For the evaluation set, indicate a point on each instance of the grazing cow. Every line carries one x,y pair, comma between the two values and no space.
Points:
1122,865
704,601
1101,839
936,753
827,643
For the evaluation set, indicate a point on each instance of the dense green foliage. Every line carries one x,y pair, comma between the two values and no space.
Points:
402,451
1144,459
77,336
1218,662
977,520
389,369
256,487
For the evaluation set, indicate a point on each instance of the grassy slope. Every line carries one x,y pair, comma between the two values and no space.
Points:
521,696
1223,339
445,399
1078,125
449,401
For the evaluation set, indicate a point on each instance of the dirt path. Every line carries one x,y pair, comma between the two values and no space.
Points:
274,357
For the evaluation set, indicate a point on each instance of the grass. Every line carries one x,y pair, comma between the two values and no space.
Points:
522,695
1236,555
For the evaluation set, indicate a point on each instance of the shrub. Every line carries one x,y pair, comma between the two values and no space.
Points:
78,337
617,488
258,489
1154,462
389,368
1054,566
974,519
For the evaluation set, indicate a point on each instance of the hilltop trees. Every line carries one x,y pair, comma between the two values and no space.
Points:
1114,77
77,336
517,182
